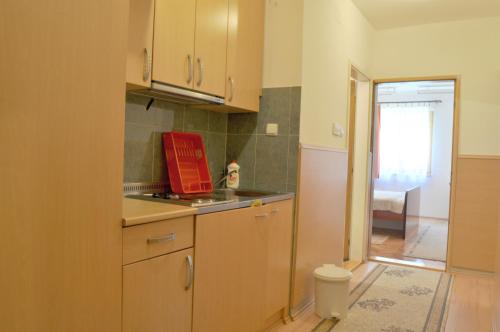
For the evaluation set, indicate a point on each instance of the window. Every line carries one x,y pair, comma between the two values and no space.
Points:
405,135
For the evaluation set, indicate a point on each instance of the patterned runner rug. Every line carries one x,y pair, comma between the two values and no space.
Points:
395,299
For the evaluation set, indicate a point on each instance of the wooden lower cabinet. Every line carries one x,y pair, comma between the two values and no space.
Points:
156,296
242,268
278,259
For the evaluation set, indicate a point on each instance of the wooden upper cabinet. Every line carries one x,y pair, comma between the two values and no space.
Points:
140,43
244,54
174,34
211,46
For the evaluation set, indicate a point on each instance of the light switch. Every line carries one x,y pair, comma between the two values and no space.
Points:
272,129
338,130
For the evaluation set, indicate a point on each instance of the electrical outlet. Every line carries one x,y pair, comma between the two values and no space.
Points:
338,130
272,129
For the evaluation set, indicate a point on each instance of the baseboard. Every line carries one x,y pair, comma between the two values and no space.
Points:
470,156
351,265
296,312
402,262
470,272
443,219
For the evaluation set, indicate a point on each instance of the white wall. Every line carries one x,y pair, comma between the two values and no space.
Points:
435,191
283,43
467,48
335,34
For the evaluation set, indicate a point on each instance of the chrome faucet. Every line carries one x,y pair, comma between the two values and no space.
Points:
224,178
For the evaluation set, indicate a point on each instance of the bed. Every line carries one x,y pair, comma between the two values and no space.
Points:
390,208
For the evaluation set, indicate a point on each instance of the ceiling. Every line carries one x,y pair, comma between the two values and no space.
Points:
386,14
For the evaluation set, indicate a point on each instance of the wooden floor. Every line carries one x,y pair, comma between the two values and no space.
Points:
470,310
394,247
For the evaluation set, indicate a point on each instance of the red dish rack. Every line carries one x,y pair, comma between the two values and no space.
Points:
187,163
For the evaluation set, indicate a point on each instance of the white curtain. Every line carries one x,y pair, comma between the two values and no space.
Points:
405,142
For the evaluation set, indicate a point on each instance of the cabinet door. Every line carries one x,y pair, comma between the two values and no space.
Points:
211,46
279,254
244,54
140,43
229,275
174,30
156,296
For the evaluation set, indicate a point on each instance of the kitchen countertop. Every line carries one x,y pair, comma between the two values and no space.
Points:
137,211
236,201
244,201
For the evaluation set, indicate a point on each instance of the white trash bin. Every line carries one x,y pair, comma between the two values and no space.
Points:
332,291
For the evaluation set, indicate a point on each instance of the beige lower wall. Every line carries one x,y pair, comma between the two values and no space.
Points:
473,229
319,229
496,312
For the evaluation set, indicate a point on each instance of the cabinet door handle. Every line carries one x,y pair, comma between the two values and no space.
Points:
164,238
190,69
201,69
262,215
189,264
147,66
275,210
231,88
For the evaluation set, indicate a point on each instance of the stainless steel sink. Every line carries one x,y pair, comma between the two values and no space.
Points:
246,193
219,200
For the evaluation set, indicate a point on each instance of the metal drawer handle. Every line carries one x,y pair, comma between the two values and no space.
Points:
231,89
200,66
275,210
189,264
147,66
262,215
164,238
190,69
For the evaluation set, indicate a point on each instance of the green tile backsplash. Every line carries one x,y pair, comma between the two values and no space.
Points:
144,156
267,162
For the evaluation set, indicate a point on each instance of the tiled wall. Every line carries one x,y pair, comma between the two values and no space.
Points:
144,157
267,162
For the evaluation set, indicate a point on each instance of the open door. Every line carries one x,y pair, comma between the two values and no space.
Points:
350,166
359,105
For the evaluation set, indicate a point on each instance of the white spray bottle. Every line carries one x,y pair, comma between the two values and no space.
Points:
233,175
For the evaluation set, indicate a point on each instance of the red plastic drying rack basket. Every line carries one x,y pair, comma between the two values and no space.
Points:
187,163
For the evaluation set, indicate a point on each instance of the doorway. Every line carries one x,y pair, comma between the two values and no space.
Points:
413,148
